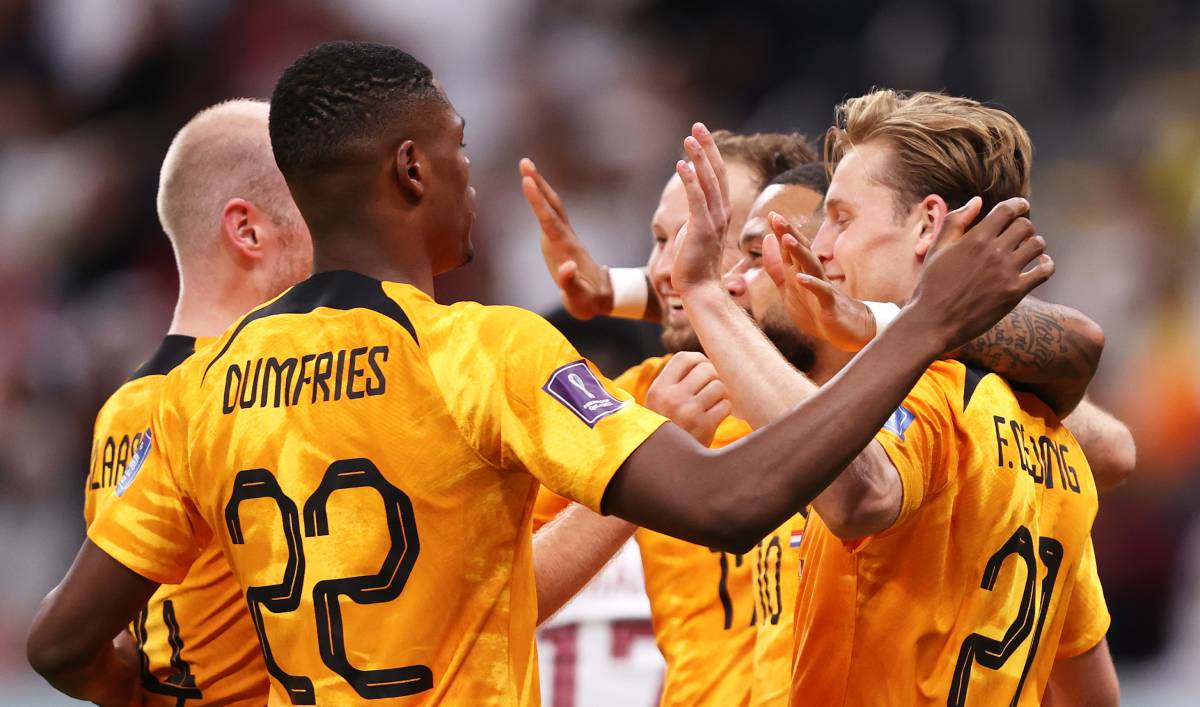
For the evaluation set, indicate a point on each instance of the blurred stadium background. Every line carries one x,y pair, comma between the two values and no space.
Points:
600,92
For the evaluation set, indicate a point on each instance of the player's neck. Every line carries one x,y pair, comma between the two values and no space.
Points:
208,306
363,256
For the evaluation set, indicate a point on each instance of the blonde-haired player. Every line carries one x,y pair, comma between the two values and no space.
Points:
238,240
952,562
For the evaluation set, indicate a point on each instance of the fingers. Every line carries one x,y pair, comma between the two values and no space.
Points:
1016,233
802,258
680,365
1035,276
573,287
1002,216
709,145
549,219
712,393
697,203
530,170
701,375
709,183
822,290
772,260
1029,249
957,222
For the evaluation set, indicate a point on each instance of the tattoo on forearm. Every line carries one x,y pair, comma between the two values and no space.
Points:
1034,342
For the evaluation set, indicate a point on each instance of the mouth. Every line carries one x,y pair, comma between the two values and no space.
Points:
674,305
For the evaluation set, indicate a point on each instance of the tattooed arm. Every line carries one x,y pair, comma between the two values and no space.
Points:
1048,349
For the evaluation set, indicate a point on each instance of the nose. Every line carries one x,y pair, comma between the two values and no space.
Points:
735,281
822,244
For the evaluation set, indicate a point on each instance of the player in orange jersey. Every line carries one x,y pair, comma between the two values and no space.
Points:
703,603
1102,438
798,195
368,459
962,532
238,241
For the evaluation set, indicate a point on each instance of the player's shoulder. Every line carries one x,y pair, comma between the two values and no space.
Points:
137,395
494,330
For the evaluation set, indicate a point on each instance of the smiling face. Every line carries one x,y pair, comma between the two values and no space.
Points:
869,249
749,284
669,217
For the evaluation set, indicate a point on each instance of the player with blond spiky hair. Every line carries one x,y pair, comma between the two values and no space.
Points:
238,240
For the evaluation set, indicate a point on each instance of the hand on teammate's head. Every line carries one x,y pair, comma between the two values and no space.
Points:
975,276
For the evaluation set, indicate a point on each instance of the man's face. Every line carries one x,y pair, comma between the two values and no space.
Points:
868,250
449,196
671,215
749,284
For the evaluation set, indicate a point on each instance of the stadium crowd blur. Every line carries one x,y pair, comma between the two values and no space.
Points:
600,92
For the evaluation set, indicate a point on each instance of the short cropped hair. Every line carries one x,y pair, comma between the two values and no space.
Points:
333,103
811,175
954,147
222,153
766,154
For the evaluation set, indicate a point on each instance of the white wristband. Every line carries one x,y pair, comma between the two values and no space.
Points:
884,313
630,292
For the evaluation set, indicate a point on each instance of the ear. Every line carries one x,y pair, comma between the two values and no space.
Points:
410,171
239,221
931,213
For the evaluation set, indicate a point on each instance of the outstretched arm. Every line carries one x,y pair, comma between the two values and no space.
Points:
569,551
732,498
71,643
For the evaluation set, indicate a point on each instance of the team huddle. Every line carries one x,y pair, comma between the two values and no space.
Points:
865,473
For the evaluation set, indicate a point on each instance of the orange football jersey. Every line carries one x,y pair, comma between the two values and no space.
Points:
987,575
195,638
702,601
367,459
775,583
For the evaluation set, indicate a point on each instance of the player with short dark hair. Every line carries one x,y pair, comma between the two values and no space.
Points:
367,458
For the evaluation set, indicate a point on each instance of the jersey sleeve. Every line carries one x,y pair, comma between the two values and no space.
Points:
152,527
559,418
1087,618
919,439
546,507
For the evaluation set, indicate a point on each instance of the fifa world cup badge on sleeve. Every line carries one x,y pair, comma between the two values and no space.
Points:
135,463
575,386
898,423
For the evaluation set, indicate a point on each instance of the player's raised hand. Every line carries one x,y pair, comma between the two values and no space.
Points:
976,276
689,392
585,285
814,304
697,257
